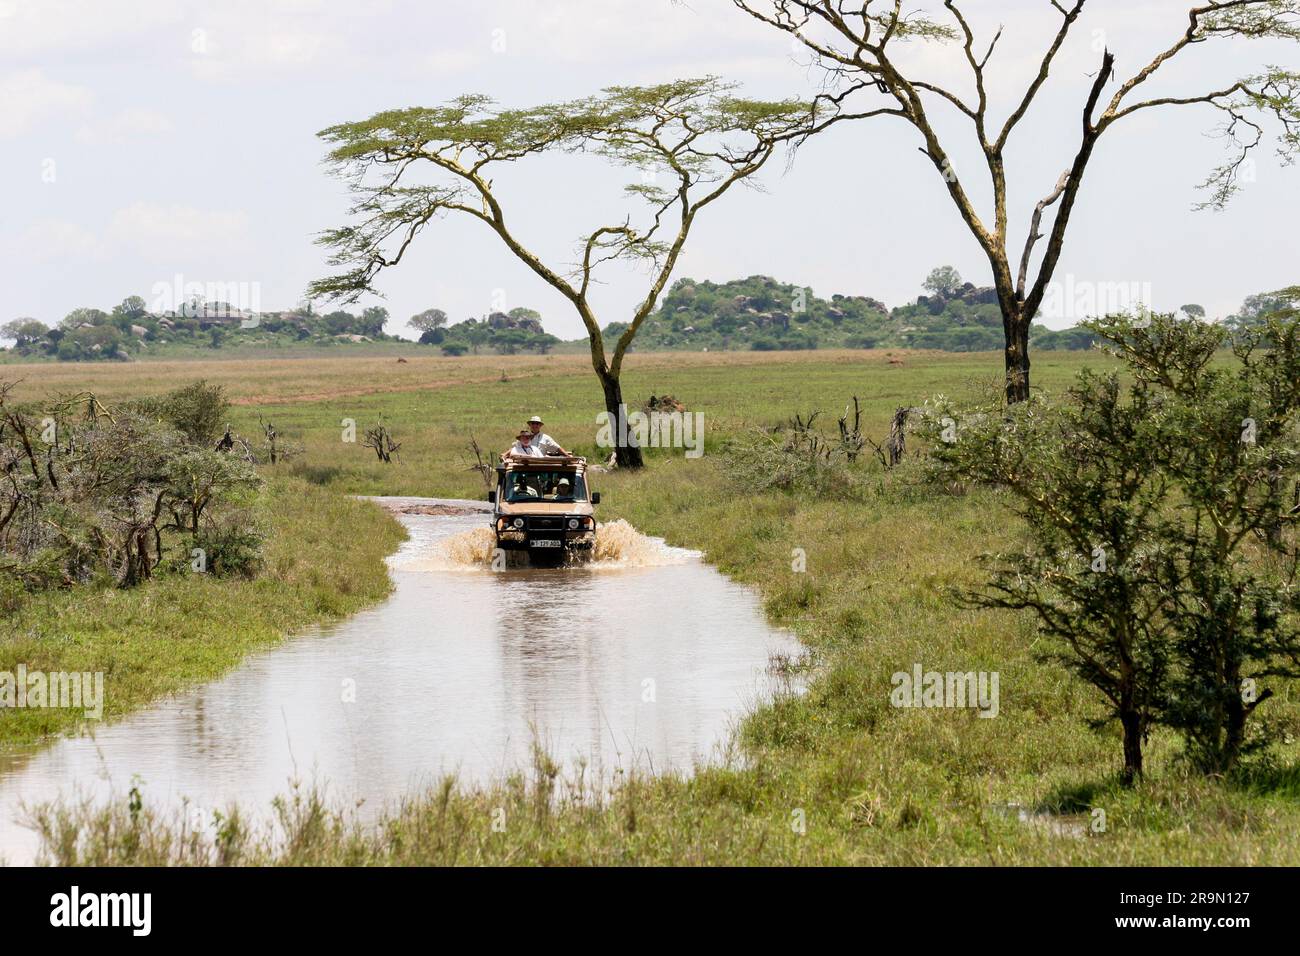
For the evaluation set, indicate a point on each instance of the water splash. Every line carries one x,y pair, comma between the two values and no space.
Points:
469,548
618,545
467,551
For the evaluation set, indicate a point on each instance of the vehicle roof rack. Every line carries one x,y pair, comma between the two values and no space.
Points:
532,461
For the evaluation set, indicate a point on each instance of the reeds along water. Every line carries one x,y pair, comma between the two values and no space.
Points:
618,545
453,679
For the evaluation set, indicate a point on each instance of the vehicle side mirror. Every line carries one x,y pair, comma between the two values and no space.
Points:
595,497
492,497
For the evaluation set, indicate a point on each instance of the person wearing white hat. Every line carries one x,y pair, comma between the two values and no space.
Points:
542,442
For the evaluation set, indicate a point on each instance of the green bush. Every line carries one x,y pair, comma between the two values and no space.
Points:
109,495
198,411
1163,536
796,460
231,544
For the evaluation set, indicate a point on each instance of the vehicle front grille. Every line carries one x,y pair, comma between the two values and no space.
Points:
545,524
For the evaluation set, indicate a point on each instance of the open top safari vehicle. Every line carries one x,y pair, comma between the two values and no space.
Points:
542,505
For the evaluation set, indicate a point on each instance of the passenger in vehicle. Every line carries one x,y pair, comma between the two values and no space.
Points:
523,446
542,442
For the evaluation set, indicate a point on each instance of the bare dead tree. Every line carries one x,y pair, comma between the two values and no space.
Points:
268,430
891,452
380,440
482,465
861,45
851,439
803,423
274,446
803,439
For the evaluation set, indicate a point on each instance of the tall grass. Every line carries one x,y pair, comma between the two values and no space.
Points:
834,775
324,559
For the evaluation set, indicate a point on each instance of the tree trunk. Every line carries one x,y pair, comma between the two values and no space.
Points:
138,567
1234,734
896,444
1273,529
1131,721
626,453
1235,713
1015,324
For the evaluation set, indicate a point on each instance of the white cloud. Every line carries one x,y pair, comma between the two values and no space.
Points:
235,52
139,231
28,97
33,27
164,230
446,62
123,128
50,240
577,31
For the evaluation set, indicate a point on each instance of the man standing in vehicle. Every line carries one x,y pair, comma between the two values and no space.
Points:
524,446
543,444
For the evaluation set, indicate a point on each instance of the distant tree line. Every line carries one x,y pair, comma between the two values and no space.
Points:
131,328
506,333
754,314
762,314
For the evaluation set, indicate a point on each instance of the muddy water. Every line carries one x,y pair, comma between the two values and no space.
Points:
643,658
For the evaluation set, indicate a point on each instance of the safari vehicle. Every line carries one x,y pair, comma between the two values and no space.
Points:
542,505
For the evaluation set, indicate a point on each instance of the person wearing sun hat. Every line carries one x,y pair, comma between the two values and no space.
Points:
523,446
543,443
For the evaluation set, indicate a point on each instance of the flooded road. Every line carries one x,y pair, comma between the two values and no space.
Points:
645,658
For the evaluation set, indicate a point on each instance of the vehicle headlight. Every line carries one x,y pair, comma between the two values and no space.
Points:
518,523
573,524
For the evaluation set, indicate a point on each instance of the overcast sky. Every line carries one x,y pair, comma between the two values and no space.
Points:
141,140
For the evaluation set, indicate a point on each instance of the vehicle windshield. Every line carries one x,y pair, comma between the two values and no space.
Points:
545,486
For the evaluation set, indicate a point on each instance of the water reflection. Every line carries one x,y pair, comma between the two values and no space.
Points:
459,671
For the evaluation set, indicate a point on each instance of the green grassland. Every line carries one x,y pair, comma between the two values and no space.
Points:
324,559
435,424
872,784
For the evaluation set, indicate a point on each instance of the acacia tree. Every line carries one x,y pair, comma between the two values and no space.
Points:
1161,509
859,43
428,320
694,133
26,333
943,281
1083,476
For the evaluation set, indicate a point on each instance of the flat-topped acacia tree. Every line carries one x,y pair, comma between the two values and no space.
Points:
407,167
861,44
